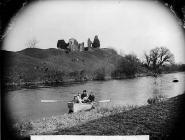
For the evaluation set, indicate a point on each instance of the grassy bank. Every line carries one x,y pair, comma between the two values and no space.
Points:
66,82
55,66
160,121
33,67
51,124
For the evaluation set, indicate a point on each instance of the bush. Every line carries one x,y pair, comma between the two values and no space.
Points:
156,99
96,42
54,76
23,127
78,75
99,74
127,66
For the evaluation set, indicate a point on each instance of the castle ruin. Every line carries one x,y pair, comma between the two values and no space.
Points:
73,45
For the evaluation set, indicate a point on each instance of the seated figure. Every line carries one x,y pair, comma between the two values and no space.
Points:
88,98
84,97
77,99
84,94
91,97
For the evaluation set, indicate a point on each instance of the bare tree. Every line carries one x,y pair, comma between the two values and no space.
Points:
147,59
32,43
158,57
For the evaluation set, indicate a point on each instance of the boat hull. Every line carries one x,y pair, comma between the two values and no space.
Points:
76,107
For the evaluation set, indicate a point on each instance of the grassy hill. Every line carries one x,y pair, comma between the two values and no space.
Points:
33,65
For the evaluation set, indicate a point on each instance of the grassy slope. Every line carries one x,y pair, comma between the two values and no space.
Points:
161,121
33,64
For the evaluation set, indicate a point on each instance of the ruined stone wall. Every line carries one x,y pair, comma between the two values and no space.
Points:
81,47
73,45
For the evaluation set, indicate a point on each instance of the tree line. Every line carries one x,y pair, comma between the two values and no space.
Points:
156,61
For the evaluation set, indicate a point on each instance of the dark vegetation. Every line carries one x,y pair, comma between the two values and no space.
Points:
161,60
156,99
128,66
33,66
157,58
62,44
48,66
173,68
96,42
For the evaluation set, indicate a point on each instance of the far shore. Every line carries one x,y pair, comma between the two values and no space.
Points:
46,84
162,120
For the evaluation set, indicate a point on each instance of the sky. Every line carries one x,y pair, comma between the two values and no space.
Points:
127,26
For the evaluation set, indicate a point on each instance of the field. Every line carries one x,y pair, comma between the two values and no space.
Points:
163,120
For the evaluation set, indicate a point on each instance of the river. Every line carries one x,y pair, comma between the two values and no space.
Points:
25,104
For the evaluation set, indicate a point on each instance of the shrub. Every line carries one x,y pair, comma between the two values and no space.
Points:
99,74
127,66
23,127
156,99
96,42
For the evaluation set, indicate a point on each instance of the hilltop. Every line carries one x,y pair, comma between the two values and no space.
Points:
33,65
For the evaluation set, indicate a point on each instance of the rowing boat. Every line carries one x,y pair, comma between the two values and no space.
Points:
76,107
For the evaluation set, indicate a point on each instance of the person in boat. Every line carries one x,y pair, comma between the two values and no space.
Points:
77,98
87,98
84,97
84,94
91,97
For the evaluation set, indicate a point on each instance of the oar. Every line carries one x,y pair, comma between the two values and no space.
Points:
103,101
50,101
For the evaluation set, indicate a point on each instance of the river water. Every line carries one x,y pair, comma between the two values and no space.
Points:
25,104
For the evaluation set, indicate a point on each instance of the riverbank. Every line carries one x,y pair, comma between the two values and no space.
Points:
44,84
162,120
32,85
41,84
36,68
66,82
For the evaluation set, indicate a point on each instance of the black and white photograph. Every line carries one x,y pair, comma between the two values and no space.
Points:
89,69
